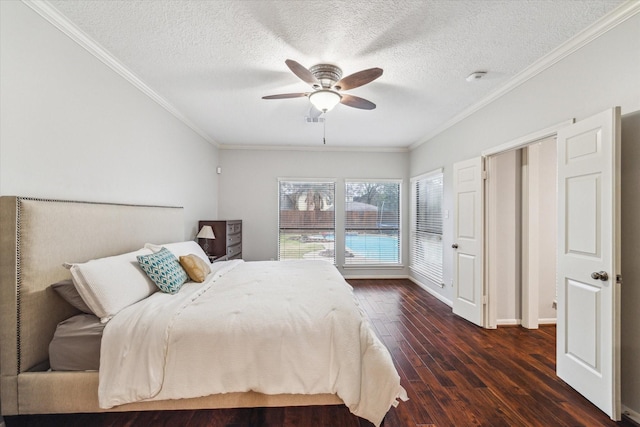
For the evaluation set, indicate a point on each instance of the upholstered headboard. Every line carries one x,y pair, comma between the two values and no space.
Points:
36,237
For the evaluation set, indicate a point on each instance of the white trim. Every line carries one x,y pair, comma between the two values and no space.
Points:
491,236
620,14
530,244
373,267
431,291
508,322
400,263
370,277
418,272
51,14
319,180
313,148
427,175
518,322
392,180
631,414
529,139
609,21
491,242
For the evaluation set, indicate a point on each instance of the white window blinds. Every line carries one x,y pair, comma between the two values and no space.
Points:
426,226
306,220
372,223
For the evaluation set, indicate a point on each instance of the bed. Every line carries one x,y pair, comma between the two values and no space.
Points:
36,238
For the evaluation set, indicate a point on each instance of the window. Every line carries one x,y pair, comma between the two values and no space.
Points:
306,220
426,226
372,223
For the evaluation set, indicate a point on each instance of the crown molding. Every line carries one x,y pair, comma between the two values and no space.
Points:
313,148
623,12
51,14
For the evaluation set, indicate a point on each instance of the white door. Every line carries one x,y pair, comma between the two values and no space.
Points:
468,244
588,325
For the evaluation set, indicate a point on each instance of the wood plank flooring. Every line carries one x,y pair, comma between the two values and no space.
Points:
455,374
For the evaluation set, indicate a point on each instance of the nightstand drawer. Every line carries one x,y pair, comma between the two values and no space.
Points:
234,227
234,239
234,250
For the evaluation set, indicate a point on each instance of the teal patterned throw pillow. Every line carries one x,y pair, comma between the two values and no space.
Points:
164,269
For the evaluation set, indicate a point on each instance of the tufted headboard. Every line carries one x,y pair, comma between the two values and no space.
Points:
36,237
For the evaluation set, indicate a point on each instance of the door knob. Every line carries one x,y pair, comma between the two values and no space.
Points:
454,246
602,275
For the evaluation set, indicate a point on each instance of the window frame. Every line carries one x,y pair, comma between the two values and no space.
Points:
431,271
321,181
345,228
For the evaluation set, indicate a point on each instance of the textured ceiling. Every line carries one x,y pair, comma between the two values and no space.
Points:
214,60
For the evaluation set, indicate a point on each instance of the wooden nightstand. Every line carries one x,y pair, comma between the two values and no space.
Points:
228,242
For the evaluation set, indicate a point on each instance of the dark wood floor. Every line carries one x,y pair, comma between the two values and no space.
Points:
455,373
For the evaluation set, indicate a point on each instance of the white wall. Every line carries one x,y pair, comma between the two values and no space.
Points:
249,191
548,230
71,128
602,74
505,179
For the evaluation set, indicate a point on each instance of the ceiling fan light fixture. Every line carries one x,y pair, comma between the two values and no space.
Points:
325,99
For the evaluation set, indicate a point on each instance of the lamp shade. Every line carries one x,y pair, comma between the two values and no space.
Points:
206,232
325,99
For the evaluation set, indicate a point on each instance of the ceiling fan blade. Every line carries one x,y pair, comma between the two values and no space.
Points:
303,73
358,79
286,95
357,102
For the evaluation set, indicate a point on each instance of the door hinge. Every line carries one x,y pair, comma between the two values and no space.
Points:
485,299
619,278
485,175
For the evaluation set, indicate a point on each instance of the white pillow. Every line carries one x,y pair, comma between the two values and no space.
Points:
110,284
180,249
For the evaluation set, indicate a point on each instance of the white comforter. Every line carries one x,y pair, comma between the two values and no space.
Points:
271,327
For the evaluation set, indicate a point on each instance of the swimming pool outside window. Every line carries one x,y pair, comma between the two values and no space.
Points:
372,222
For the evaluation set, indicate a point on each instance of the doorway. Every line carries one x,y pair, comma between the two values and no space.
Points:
522,231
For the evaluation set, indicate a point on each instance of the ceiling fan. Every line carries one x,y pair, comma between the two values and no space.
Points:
327,82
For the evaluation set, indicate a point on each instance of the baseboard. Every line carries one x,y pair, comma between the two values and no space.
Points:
508,322
631,415
370,277
517,322
431,291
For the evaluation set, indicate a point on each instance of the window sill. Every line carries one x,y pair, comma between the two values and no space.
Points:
372,266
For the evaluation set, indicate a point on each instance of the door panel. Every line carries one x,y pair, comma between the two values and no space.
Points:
468,283
582,323
466,223
589,259
583,224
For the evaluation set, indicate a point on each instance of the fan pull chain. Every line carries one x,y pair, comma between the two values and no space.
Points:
324,131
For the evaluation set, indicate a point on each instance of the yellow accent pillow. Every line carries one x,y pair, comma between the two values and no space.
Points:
196,267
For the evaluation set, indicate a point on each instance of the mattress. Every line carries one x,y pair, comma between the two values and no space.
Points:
269,327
